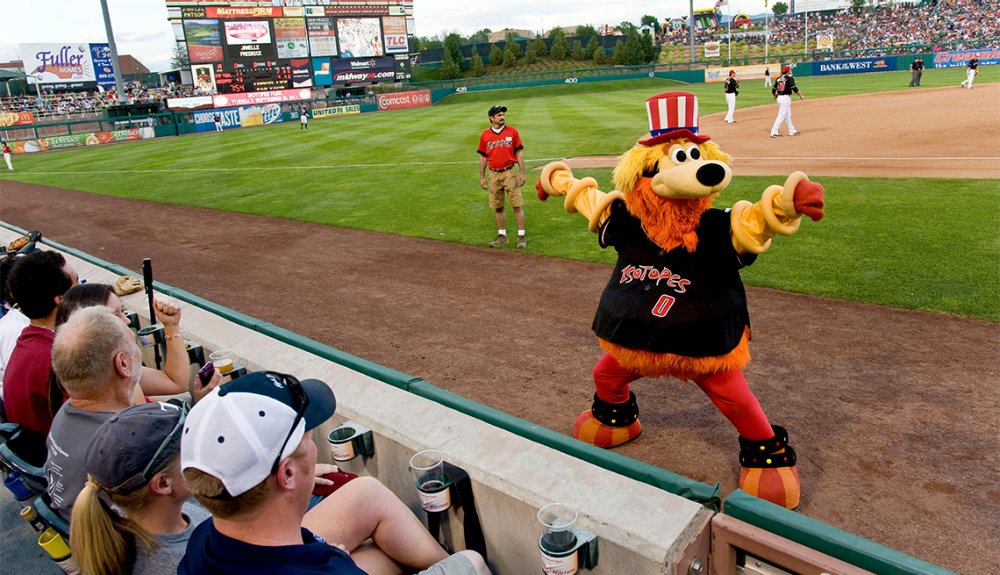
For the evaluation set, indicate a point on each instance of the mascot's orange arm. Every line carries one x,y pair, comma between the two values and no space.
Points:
779,211
581,195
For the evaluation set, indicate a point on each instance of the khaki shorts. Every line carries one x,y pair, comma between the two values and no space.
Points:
453,565
501,183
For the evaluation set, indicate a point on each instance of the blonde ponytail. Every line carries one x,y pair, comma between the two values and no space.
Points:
104,542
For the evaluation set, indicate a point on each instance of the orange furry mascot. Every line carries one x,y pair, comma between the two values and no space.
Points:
675,304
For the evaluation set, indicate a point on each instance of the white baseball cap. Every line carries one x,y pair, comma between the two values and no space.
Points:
241,431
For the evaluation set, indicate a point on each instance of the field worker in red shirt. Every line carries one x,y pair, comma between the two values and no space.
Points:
500,149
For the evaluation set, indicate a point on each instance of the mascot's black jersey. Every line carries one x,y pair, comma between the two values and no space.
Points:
690,304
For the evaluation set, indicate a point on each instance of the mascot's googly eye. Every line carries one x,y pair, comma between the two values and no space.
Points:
678,155
651,170
694,152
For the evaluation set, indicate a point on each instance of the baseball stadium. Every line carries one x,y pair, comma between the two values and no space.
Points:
351,247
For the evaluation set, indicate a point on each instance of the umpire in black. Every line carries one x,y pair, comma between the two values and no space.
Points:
916,71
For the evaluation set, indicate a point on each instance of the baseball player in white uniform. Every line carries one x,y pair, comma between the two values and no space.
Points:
782,92
970,73
732,89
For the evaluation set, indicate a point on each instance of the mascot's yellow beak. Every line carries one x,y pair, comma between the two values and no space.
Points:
690,179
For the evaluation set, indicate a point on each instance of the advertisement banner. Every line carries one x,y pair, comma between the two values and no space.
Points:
754,72
960,58
314,11
321,72
243,12
360,37
824,41
8,119
80,140
336,111
104,71
58,63
402,67
856,66
394,31
256,98
348,9
239,117
204,41
322,36
414,99
290,37
241,76
363,70
204,78
186,104
301,78
249,39
712,49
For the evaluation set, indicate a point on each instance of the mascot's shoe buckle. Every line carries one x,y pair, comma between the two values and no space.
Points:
768,469
608,424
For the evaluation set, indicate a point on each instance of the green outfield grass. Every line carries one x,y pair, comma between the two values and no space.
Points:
917,243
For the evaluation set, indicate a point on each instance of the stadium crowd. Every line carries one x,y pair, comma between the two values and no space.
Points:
238,491
67,105
872,28
958,24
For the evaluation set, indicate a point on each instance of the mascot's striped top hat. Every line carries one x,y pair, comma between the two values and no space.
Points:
672,115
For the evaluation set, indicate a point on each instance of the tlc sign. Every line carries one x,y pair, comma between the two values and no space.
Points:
396,43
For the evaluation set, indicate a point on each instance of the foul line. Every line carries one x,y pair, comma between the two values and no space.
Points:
273,168
466,163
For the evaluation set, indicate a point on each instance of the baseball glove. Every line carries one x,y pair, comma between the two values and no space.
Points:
126,285
23,241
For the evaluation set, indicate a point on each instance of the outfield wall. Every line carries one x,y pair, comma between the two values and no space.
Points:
647,520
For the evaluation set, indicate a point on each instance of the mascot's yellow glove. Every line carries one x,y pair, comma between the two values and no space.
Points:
126,285
779,211
581,195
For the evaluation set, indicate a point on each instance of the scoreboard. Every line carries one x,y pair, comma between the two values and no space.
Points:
238,77
270,45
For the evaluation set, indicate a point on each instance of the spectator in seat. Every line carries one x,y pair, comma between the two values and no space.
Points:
134,515
176,373
248,456
37,282
99,363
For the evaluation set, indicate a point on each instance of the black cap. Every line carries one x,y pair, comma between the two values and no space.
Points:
496,109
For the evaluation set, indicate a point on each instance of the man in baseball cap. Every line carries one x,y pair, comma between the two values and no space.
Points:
494,110
248,456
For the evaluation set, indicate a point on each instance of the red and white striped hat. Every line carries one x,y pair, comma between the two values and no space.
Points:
672,115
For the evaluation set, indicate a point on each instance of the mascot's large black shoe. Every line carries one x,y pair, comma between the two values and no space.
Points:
609,424
767,469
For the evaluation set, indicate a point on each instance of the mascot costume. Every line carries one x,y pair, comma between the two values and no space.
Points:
675,305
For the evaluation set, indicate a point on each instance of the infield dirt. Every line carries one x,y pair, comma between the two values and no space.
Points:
894,413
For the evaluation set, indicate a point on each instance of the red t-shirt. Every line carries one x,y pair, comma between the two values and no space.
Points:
500,149
26,382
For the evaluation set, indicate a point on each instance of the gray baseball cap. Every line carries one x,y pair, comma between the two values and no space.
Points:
134,445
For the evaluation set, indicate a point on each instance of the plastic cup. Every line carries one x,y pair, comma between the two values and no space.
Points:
432,483
341,444
223,360
558,520
148,336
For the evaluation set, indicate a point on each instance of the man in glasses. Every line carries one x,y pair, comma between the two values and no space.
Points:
248,456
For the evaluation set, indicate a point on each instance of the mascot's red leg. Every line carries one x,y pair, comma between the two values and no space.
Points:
613,419
767,461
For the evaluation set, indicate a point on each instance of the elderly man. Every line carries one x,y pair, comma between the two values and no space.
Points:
248,456
98,362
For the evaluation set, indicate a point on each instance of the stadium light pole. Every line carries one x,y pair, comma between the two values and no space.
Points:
691,26
119,87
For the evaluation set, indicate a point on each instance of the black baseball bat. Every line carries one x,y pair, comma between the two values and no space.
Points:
147,279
